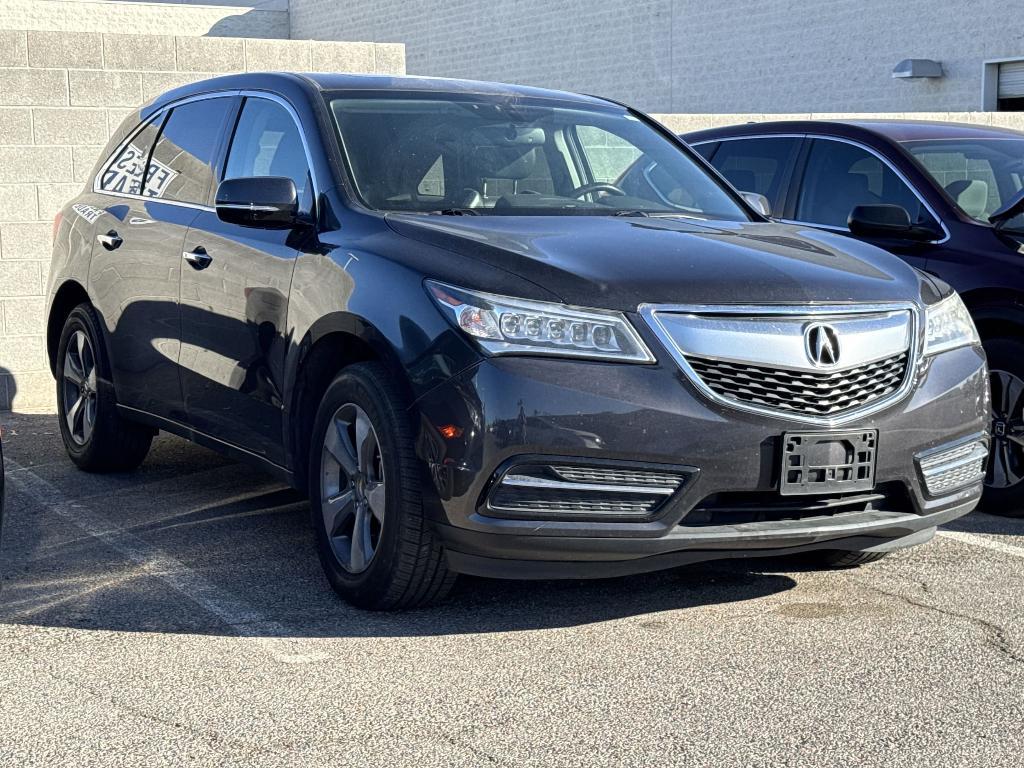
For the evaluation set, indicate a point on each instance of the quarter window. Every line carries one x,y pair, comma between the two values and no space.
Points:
267,142
840,176
756,165
124,174
181,167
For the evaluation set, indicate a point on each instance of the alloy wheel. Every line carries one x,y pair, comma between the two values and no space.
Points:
1006,463
352,489
78,387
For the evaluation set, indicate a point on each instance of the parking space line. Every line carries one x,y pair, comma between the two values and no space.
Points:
980,541
242,618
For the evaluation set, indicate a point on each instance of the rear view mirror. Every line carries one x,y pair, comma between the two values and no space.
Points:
882,220
758,202
270,202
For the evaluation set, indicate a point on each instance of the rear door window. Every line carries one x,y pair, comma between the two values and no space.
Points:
182,165
758,165
839,176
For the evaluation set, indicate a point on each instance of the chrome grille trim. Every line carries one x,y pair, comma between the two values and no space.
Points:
538,489
617,476
741,390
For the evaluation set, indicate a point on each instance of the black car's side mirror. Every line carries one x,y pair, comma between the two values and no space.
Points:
270,202
883,220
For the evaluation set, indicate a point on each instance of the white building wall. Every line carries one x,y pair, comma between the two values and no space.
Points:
733,56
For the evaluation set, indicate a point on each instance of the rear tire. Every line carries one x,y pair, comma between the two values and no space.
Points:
96,437
376,546
1004,481
839,558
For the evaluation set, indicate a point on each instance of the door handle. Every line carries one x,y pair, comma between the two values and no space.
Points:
197,258
111,241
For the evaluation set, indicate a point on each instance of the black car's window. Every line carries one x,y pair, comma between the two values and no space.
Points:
980,175
267,142
515,155
839,176
705,149
756,165
181,167
124,173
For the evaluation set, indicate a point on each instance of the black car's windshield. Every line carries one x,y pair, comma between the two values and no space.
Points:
479,155
980,175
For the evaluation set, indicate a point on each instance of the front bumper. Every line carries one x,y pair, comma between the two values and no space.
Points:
511,407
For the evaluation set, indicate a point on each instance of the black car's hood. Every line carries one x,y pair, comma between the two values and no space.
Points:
620,263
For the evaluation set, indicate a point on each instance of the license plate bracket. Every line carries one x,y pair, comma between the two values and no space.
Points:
828,462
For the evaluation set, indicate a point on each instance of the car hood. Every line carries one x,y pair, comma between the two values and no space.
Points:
621,263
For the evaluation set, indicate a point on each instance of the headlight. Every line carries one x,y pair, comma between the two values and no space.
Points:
503,325
948,326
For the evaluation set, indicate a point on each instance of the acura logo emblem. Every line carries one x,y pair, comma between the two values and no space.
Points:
822,344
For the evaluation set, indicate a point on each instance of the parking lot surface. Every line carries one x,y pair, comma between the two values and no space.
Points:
177,615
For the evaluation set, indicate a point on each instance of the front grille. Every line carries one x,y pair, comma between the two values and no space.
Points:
740,507
538,490
816,393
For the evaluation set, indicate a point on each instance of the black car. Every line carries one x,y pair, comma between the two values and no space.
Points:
946,197
439,308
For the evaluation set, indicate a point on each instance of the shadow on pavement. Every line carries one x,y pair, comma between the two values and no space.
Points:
188,518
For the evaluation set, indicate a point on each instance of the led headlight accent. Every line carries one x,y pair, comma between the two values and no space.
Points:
948,325
505,325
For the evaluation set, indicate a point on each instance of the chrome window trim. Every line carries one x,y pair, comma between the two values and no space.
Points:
650,312
247,93
842,140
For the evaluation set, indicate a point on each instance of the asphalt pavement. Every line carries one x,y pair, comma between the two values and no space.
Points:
177,616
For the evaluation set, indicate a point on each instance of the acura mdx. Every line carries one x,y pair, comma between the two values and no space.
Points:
450,313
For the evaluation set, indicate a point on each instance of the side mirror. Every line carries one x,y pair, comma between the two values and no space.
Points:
270,202
891,221
1009,211
758,202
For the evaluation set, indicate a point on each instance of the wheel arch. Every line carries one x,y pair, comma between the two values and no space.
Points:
333,343
996,311
70,294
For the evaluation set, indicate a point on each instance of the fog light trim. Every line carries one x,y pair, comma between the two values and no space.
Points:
950,469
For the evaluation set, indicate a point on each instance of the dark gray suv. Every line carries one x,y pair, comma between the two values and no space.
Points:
446,311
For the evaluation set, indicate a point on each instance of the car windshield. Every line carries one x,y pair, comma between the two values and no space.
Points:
510,155
980,175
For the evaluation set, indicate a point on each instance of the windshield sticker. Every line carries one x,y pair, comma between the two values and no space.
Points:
88,212
123,175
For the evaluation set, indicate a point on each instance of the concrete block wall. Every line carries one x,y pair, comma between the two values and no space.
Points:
61,95
694,55
219,18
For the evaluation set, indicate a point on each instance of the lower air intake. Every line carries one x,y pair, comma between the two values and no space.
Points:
948,470
560,491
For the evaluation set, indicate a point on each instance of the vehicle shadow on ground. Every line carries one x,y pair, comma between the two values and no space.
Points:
981,522
190,521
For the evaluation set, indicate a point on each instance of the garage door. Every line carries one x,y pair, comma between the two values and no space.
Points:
1011,80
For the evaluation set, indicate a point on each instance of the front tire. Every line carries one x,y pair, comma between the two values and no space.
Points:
375,544
1004,481
96,437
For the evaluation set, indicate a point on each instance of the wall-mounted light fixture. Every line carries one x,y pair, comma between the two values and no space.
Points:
918,68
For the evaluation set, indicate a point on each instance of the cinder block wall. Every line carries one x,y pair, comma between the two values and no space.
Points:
214,18
61,95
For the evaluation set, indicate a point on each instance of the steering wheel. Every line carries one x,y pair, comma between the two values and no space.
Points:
599,186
